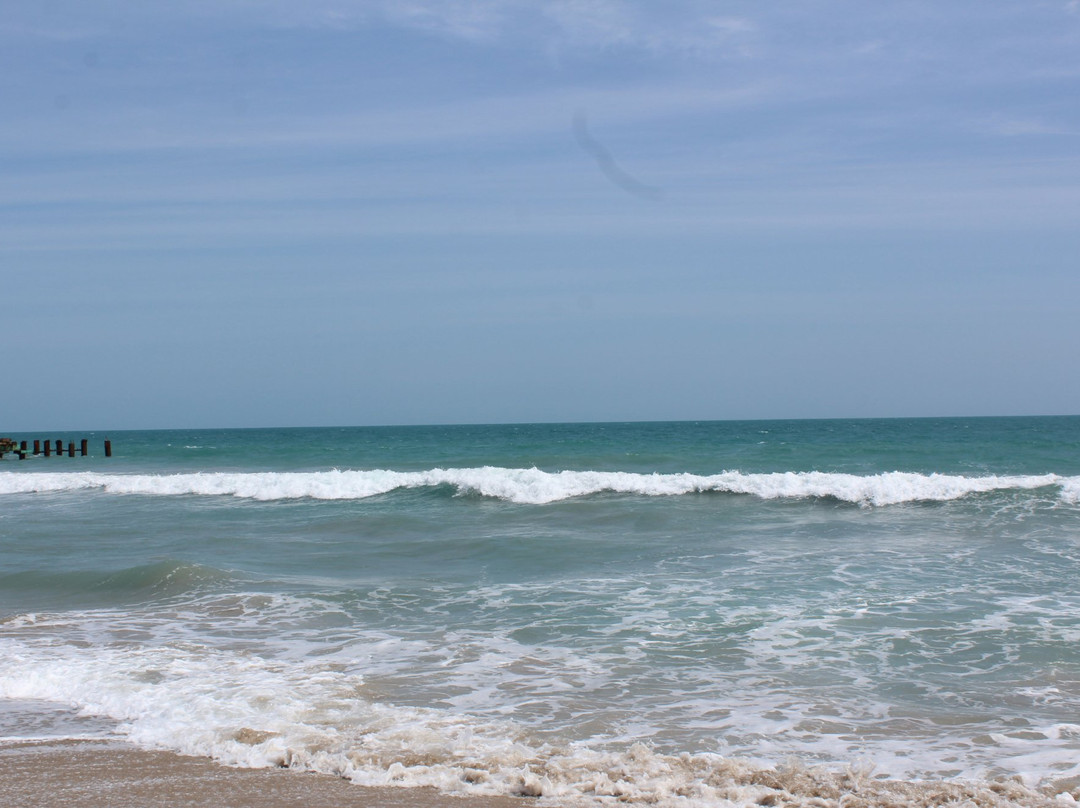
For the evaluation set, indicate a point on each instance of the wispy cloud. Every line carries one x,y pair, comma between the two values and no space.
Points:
866,91
471,20
1020,127
399,124
678,26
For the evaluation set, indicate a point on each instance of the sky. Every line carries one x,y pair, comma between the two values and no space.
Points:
230,213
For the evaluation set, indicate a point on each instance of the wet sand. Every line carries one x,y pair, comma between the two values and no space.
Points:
106,774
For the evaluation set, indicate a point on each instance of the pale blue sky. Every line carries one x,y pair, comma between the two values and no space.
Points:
242,213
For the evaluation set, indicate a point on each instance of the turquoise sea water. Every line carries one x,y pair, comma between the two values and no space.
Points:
557,609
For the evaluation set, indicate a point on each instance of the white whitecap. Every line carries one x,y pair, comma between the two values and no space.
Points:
536,487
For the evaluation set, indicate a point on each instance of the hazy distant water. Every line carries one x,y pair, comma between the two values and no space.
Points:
486,607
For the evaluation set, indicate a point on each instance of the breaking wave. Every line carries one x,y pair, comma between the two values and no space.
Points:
536,487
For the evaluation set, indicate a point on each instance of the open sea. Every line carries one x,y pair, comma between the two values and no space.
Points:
625,611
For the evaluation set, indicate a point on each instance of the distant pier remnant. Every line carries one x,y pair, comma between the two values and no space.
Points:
45,447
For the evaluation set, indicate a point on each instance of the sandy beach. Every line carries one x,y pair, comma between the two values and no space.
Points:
107,774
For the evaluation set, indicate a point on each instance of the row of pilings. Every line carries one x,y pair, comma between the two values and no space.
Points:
45,448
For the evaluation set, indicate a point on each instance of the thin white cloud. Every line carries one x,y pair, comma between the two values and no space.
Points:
673,28
490,120
471,20
871,47
604,22
1019,127
68,31
677,26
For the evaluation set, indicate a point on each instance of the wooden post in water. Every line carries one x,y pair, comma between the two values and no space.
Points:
59,447
108,448
82,447
71,448
37,446
48,448
22,447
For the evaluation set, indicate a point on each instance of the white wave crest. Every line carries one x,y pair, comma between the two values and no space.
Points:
536,487
1070,491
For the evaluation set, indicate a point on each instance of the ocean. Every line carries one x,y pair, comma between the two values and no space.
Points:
583,612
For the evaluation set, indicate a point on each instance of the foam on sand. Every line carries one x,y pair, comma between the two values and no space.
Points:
107,774
102,774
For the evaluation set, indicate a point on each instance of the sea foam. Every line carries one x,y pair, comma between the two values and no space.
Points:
243,710
536,487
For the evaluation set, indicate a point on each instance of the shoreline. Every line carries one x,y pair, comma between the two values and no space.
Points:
110,773
66,773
